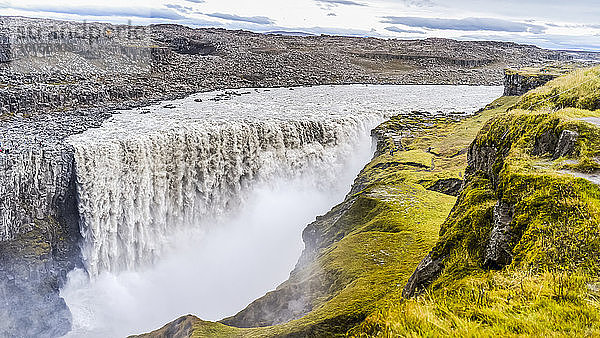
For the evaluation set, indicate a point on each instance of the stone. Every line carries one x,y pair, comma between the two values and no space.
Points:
448,186
566,144
498,252
427,271
545,144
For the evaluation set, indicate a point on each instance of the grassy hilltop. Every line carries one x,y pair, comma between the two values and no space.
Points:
516,251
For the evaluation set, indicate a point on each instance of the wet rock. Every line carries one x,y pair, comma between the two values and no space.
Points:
448,186
427,271
498,252
566,144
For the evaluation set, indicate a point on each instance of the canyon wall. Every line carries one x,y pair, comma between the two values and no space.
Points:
59,79
517,83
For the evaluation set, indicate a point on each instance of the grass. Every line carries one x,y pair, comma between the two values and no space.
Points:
579,89
554,70
511,303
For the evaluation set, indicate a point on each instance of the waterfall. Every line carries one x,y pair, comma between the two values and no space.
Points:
136,191
150,172
197,205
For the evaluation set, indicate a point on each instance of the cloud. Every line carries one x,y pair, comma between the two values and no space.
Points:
260,20
419,3
340,2
179,8
467,24
139,12
400,30
196,1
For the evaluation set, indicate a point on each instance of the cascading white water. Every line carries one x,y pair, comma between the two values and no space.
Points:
149,175
137,188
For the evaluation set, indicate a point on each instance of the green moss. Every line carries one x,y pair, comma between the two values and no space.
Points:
579,89
468,226
32,246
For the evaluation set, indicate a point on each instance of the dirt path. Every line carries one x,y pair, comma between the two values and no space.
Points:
593,120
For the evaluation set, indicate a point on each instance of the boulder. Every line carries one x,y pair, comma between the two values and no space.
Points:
566,144
427,271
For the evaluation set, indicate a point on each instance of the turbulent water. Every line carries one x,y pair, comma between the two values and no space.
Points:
197,205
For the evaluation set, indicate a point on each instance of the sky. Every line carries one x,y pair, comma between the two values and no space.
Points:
554,24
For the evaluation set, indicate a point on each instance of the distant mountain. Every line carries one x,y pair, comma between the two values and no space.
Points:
290,33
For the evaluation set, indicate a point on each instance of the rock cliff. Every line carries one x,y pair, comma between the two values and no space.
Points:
519,81
40,231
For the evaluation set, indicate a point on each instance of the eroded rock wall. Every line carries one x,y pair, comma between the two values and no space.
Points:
517,84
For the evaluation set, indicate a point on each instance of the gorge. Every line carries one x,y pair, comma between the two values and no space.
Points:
147,172
151,179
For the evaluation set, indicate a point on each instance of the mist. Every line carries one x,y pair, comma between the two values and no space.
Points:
217,268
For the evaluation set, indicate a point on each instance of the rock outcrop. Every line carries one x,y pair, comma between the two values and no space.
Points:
427,271
498,252
518,83
566,144
448,186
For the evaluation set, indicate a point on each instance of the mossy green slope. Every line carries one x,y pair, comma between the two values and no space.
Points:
579,89
360,255
550,287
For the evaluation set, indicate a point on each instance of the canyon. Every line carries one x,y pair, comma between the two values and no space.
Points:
88,111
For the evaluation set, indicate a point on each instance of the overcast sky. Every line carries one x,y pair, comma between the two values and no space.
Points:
557,24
